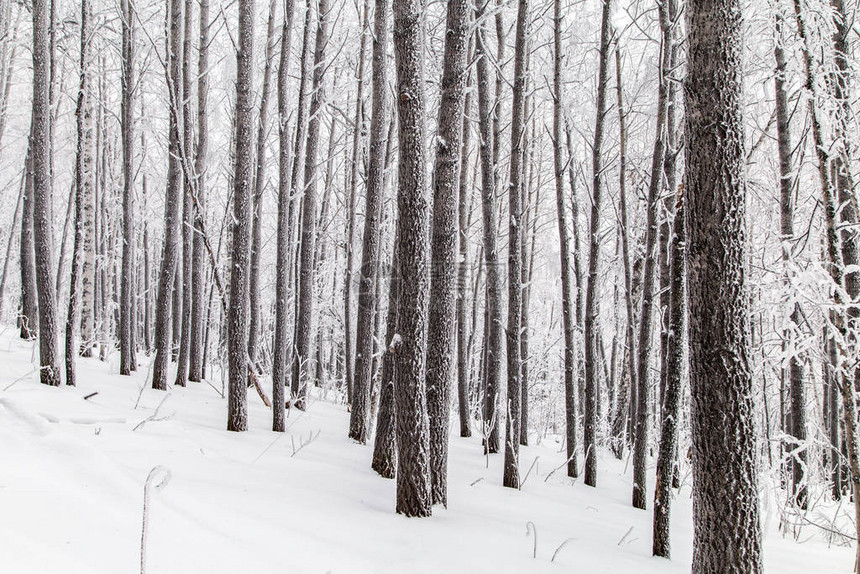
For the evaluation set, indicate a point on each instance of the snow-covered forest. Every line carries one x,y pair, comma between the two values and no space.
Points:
410,286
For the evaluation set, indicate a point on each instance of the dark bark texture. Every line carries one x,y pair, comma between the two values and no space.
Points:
413,228
727,531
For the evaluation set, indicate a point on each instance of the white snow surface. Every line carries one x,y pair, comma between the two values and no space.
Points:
73,470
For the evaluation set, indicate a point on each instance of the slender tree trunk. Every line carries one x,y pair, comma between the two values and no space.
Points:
237,314
727,532
385,443
259,188
357,140
280,366
16,215
128,255
173,199
493,329
307,288
630,354
41,149
186,155
83,187
196,367
61,260
786,183
591,306
567,298
28,318
671,410
413,226
463,332
367,302
643,391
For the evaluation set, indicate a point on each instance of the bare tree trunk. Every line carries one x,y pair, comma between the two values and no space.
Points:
187,233
41,149
673,391
83,182
643,391
259,187
630,339
357,142
493,329
196,367
591,306
280,366
385,443
567,298
413,226
727,532
61,260
442,318
16,215
463,332
837,257
173,199
307,288
786,184
28,318
128,256
511,477
370,255
237,314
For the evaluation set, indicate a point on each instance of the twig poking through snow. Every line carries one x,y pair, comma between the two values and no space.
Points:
153,416
91,395
530,527
626,534
303,443
158,478
560,547
523,482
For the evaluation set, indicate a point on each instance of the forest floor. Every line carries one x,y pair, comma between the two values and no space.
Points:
72,474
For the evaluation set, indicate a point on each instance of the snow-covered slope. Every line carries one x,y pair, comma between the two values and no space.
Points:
72,472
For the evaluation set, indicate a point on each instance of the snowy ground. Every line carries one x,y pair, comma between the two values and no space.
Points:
72,474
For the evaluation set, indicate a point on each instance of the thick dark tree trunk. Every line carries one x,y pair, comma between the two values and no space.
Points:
413,227
367,301
42,194
515,293
173,200
237,314
727,532
442,320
